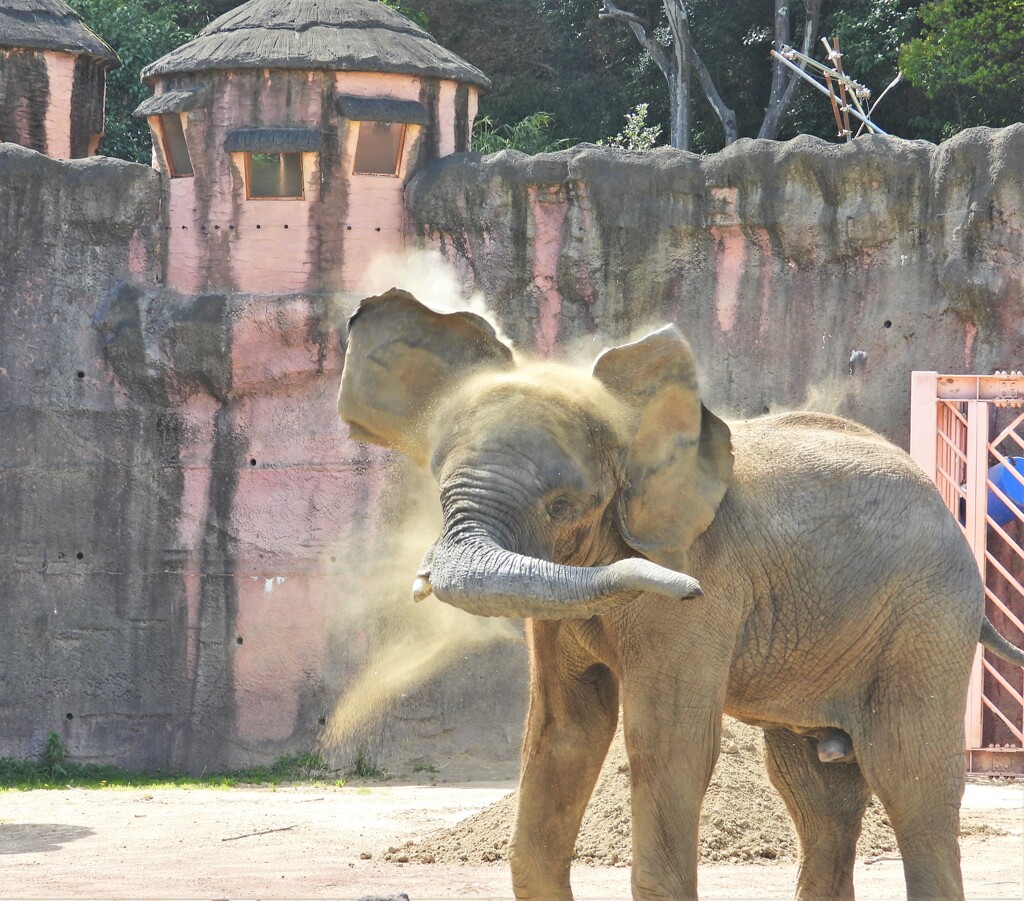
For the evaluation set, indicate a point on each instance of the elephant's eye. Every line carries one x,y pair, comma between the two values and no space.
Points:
559,507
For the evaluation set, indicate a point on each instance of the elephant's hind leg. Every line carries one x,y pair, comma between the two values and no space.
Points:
827,803
918,775
574,708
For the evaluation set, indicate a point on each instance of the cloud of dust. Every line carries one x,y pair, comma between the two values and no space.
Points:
409,643
827,396
425,274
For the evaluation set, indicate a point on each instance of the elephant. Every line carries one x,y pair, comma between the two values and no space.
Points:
796,571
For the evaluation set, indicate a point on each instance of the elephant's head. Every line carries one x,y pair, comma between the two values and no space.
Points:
551,479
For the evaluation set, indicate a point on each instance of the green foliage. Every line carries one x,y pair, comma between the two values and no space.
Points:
551,55
140,32
416,15
55,756
530,135
54,770
969,55
363,767
636,134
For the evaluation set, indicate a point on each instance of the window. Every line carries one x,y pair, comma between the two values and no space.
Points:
274,175
379,148
175,146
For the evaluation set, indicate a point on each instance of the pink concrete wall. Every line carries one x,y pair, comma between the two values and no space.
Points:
60,68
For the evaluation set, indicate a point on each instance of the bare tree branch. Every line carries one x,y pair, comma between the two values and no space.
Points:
675,68
773,116
641,32
783,38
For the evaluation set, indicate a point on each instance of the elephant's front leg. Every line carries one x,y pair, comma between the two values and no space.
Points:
574,706
672,700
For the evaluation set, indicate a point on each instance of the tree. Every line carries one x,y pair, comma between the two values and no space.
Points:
673,51
970,52
140,33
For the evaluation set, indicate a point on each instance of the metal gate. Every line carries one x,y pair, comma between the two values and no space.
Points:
967,433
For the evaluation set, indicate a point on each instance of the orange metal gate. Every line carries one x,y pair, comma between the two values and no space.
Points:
967,433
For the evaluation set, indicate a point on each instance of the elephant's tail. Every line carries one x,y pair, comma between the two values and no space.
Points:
999,645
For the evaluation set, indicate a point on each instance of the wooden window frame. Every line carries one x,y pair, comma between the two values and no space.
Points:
398,161
247,160
168,156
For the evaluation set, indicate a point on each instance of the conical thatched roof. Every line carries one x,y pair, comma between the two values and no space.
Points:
352,35
48,25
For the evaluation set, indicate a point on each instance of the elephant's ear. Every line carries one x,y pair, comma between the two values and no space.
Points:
402,357
679,459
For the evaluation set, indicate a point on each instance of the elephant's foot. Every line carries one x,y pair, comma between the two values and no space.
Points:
835,746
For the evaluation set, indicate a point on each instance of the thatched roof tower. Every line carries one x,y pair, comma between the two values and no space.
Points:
53,72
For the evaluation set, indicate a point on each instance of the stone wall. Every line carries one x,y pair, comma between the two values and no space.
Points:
195,561
779,261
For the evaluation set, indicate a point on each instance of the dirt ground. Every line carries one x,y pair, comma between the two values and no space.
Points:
310,842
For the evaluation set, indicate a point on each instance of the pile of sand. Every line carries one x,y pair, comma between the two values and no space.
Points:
743,818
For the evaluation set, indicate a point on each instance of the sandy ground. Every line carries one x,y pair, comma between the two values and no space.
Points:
308,842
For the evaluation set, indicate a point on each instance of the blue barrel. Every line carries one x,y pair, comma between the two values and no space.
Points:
1005,481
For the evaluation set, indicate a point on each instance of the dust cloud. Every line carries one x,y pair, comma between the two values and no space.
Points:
430,278
403,644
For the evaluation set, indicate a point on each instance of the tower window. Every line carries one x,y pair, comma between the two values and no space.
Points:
175,146
274,176
379,148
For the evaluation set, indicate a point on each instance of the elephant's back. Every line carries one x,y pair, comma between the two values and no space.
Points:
835,542
799,455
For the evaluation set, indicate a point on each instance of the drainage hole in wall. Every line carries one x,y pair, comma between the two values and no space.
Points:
259,226
231,228
377,229
252,462
348,228
80,374
184,228
216,228
286,226
322,721
79,556
887,323
238,640
69,716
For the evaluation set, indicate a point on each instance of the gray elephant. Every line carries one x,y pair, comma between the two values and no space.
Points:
837,599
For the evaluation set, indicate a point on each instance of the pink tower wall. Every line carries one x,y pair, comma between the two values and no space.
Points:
217,240
51,101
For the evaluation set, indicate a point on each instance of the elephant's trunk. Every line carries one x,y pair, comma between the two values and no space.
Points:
477,575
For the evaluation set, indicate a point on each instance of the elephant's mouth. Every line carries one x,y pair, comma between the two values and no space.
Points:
477,575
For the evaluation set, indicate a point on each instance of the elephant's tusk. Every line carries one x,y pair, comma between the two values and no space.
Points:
421,589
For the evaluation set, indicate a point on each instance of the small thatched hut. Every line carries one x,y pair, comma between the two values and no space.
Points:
288,129
53,76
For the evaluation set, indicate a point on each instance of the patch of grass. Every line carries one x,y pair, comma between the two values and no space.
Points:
425,768
55,770
363,767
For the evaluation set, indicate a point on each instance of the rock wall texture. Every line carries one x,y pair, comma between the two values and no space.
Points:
779,261
196,562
